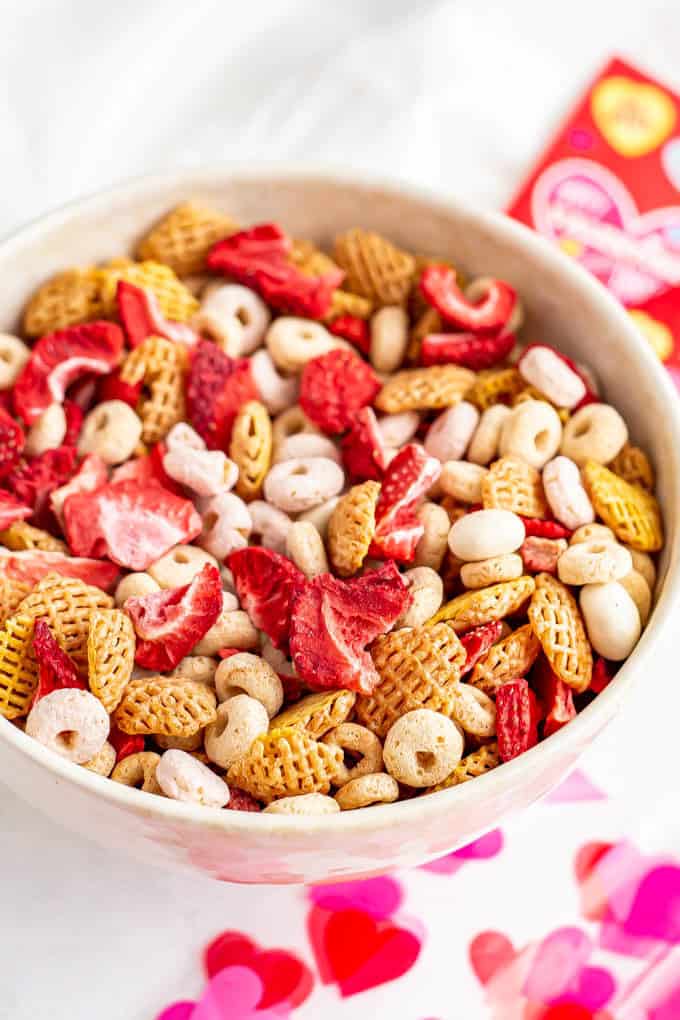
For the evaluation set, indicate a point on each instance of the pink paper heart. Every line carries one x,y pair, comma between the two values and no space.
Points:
379,897
556,964
488,845
490,952
235,992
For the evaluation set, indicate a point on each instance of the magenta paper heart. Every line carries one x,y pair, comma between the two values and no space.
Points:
656,908
588,210
232,994
592,989
379,897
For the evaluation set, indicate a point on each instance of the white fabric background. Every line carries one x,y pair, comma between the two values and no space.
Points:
456,94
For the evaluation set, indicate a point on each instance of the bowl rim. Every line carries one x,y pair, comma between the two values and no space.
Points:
501,780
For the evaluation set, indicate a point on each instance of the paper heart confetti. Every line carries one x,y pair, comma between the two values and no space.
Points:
379,897
487,846
234,993
634,117
283,976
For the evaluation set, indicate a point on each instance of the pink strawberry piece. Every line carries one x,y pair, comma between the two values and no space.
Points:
12,509
470,350
12,440
438,286
334,387
407,480
516,718
124,744
353,329
147,468
534,527
142,317
74,415
333,621
83,391
218,386
58,359
33,481
363,449
57,669
540,555
478,641
603,674
131,523
267,585
91,474
32,564
239,800
112,387
555,697
168,623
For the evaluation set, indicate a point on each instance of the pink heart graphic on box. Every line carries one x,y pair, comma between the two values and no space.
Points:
588,210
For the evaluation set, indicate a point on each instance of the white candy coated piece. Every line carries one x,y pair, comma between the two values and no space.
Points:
276,393
240,720
226,524
532,431
566,496
450,433
306,444
596,432
431,548
594,562
135,585
302,483
112,430
271,524
304,546
236,317
483,446
639,591
398,429
544,369
48,431
422,748
292,342
180,565
612,619
389,338
485,534
71,722
205,472
305,804
183,777
181,437
13,356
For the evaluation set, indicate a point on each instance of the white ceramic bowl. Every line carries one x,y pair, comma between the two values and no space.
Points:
564,307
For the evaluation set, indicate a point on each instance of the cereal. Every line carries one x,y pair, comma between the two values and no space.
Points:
112,431
176,301
631,512
305,548
71,722
482,573
13,356
485,534
597,432
496,386
596,532
236,317
532,432
183,238
21,535
110,655
427,593
485,605
372,788
293,342
66,299
558,625
316,714
389,338
565,493
484,444
103,761
170,706
11,594
47,432
509,658
181,776
594,563
633,465
251,448
611,618
356,740
240,720
285,763
433,545
139,770
463,481
449,435
160,365
307,804
374,268
550,374
303,483
245,673
179,566
424,389
135,585
512,484
644,564
351,527
18,666
478,763
422,748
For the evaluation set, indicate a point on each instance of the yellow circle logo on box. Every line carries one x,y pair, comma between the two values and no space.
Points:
634,118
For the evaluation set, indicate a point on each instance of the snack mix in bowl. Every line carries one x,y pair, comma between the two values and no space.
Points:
304,532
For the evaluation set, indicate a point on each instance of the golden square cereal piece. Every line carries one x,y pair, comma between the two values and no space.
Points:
183,238
343,302
351,528
284,763
556,621
425,389
18,667
309,259
509,659
21,535
495,386
176,301
251,448
512,484
66,604
12,593
429,321
630,511
316,714
110,655
484,605
418,669
161,365
374,267
174,707
633,465
484,759
66,299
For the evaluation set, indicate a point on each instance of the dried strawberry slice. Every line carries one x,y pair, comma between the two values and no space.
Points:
58,359
468,349
57,669
74,415
124,744
239,800
333,621
353,329
34,480
516,718
142,317
132,523
12,440
603,674
12,509
540,555
267,585
334,387
363,448
555,697
536,528
113,388
438,286
239,388
91,474
218,386
33,564
147,468
478,641
170,622
407,480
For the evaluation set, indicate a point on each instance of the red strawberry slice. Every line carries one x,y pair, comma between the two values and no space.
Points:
142,317
334,387
218,386
113,388
603,674
132,523
534,527
478,641
124,744
33,481
74,415
170,622
267,585
91,474
516,718
356,330
468,349
239,800
333,621
12,509
555,697
407,480
363,448
540,555
147,468
33,564
12,440
58,359
57,669
438,286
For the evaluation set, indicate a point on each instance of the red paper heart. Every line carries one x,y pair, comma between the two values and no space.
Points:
284,977
490,952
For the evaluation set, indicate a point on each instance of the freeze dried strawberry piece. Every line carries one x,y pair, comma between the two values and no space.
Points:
12,441
267,584
470,350
112,387
438,286
170,622
407,479
90,475
540,555
478,641
147,468
218,386
58,359
74,422
84,390
33,564
353,329
33,481
334,387
239,800
259,258
333,621
536,528
238,390
142,317
12,509
131,523
555,698
516,718
124,744
363,449
57,669
603,674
